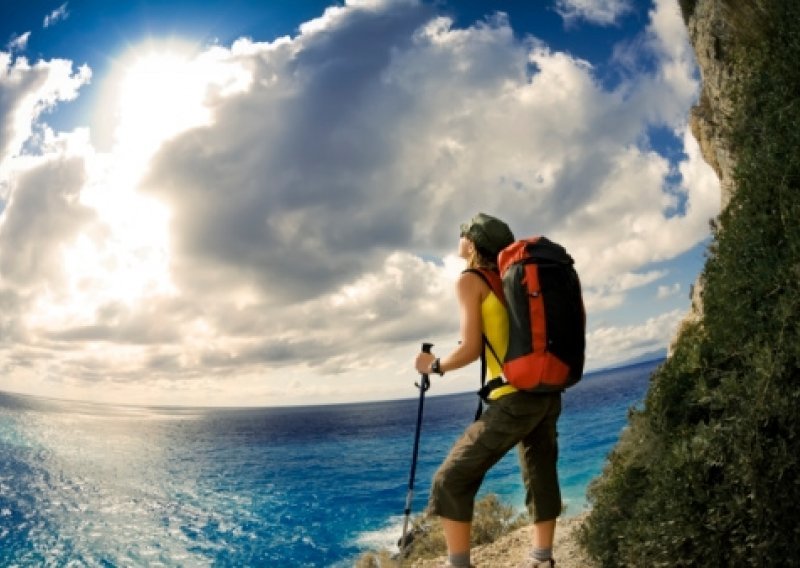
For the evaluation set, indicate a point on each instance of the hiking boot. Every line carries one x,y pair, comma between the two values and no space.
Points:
531,563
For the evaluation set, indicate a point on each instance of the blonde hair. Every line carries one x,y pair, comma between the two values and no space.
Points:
479,258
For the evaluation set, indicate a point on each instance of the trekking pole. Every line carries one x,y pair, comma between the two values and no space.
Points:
423,385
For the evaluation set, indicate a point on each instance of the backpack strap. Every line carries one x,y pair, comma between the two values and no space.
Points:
488,344
492,279
495,283
495,382
481,394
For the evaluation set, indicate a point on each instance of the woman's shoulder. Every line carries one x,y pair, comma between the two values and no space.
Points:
473,281
472,275
488,276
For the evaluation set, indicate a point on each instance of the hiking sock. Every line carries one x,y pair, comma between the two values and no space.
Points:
459,560
541,554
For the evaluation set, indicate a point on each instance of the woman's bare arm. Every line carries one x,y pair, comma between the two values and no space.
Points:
470,291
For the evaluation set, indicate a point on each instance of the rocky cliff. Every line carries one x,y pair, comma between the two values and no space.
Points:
713,37
712,26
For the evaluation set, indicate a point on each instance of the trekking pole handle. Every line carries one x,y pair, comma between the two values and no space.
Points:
426,383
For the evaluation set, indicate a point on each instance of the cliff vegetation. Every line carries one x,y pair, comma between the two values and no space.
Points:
708,471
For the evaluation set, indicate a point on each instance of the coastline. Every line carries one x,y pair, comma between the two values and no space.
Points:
510,550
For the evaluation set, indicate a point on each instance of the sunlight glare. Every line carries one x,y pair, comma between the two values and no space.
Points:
161,95
164,88
121,263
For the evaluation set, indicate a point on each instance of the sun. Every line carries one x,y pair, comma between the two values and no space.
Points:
156,92
161,93
164,87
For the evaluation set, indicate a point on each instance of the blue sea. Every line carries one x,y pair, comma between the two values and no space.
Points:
100,485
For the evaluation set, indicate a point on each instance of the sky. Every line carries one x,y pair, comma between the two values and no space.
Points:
242,202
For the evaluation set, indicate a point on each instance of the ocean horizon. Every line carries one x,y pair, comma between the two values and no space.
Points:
108,485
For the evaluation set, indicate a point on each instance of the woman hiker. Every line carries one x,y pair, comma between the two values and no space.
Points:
513,417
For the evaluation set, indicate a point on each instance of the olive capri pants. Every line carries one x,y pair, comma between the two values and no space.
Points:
522,418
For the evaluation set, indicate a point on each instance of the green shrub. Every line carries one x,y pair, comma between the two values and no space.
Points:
494,519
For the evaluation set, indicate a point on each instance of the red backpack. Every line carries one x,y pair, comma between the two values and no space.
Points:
546,316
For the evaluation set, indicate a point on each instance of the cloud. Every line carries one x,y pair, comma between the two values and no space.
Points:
42,216
668,291
303,224
301,198
11,309
59,14
20,42
605,345
343,336
612,293
390,147
26,91
600,12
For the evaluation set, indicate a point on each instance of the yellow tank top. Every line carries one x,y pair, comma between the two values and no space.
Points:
495,328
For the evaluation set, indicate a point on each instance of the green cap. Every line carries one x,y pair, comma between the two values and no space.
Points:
488,233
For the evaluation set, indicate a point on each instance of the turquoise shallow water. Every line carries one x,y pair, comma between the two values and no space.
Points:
100,485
